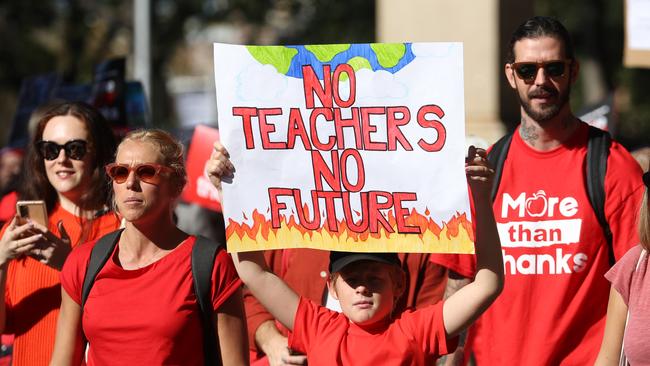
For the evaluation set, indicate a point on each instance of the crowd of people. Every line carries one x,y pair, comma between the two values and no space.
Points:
527,297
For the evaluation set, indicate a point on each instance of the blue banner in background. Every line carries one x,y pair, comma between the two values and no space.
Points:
34,91
123,103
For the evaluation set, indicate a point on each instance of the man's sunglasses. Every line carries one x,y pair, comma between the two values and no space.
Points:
74,149
147,172
646,179
528,70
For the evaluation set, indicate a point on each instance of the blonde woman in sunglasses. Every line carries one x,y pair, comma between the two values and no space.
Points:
64,168
142,307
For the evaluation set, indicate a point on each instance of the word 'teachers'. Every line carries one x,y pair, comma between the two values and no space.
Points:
333,185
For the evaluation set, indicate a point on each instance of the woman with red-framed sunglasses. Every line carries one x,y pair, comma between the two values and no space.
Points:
144,295
628,311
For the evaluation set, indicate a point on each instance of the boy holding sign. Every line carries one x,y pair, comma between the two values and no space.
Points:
367,286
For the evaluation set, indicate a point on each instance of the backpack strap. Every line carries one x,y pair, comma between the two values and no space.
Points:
497,157
98,257
203,256
596,166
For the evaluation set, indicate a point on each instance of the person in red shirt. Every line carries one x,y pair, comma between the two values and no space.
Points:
142,308
367,286
628,311
306,272
64,161
552,309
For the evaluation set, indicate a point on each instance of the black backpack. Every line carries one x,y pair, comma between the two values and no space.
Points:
596,167
203,255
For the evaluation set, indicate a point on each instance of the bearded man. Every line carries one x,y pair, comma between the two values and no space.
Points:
552,310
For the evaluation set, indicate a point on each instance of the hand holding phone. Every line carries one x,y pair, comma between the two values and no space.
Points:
47,248
18,240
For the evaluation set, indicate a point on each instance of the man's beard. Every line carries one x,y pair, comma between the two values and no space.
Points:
547,112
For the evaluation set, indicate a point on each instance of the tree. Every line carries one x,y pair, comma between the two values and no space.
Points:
72,36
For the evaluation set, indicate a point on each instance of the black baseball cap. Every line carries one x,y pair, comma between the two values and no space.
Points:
338,260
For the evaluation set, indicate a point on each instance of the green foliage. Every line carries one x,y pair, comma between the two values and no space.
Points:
325,53
277,56
388,55
334,21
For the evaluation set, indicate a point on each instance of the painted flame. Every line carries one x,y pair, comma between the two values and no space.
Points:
454,236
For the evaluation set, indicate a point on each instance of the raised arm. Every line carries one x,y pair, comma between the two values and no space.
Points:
278,298
468,303
454,283
263,333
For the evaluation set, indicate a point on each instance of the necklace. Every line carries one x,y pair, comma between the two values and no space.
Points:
132,263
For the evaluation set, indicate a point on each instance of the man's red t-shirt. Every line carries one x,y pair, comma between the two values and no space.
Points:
147,316
329,338
552,309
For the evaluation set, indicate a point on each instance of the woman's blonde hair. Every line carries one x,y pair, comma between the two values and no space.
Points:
644,222
170,149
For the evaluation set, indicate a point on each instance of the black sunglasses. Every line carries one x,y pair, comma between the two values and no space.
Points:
74,149
646,179
528,70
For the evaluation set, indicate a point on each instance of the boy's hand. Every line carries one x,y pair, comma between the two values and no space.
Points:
219,165
479,172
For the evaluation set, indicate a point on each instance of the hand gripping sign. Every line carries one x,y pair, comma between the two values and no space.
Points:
356,147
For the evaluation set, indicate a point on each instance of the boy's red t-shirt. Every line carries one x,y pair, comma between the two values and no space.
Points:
147,316
329,338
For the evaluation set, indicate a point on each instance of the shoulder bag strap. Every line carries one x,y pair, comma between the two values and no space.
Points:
203,256
98,257
497,157
596,168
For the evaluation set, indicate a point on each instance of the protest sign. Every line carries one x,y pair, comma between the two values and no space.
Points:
356,147
198,189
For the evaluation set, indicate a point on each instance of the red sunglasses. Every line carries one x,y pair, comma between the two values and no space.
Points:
147,172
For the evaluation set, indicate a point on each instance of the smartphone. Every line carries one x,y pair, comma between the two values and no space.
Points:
33,210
